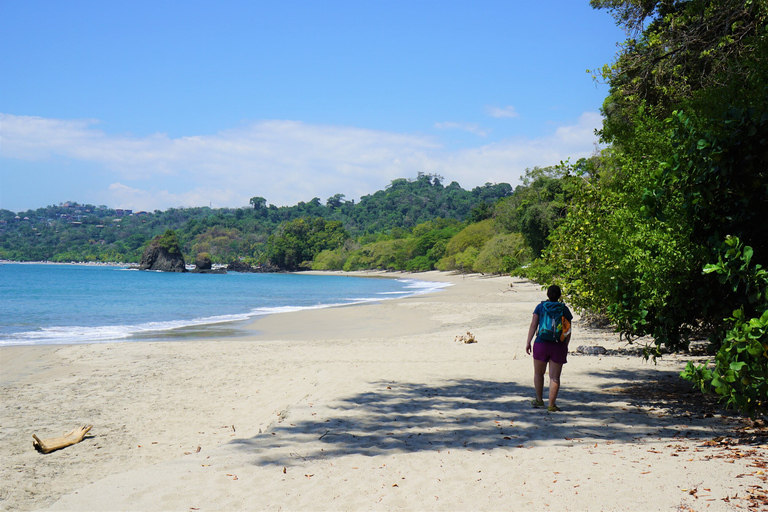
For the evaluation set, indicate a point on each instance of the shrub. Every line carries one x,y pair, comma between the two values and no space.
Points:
740,370
474,235
329,260
465,261
418,264
502,254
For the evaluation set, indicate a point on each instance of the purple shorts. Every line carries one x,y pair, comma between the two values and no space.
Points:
557,352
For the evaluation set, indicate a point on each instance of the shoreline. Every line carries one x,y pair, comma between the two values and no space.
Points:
81,263
222,324
370,406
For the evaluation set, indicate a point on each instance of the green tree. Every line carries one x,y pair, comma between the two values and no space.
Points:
539,204
258,203
335,201
462,250
169,241
295,243
502,254
329,259
701,52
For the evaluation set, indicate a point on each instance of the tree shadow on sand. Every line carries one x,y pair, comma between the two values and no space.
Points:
470,414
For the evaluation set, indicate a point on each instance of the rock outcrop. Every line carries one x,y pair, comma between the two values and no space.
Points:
163,253
204,265
239,266
203,261
208,271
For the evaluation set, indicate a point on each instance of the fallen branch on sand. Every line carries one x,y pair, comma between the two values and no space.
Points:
55,443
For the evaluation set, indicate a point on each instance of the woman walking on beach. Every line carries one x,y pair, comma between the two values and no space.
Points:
548,349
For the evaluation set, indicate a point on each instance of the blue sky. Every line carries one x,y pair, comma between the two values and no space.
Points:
155,104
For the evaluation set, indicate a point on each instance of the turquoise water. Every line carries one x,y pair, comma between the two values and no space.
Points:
48,304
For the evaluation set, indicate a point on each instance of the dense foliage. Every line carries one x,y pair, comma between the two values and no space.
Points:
539,204
682,186
168,241
740,372
497,237
287,237
297,242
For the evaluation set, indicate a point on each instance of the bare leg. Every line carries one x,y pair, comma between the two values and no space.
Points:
555,369
539,368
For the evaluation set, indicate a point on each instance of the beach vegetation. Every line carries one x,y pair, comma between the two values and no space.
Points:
329,259
383,255
664,231
740,370
462,250
502,254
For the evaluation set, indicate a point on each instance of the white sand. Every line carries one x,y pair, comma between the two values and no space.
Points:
364,407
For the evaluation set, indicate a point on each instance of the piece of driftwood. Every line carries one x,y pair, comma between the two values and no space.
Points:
55,443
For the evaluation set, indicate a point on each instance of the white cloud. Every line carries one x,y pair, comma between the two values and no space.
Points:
506,161
148,200
283,161
501,112
467,127
37,138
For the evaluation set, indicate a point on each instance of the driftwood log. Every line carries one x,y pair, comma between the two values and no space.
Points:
55,443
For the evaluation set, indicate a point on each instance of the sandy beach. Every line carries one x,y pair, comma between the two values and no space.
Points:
370,407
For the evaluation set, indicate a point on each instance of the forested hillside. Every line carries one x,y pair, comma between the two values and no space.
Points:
257,233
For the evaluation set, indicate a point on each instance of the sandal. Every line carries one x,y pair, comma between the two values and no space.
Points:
553,408
537,404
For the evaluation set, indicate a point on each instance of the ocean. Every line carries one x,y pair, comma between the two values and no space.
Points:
57,304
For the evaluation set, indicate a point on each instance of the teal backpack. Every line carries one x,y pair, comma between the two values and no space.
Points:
550,321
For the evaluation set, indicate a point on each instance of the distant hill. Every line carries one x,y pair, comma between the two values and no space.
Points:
81,232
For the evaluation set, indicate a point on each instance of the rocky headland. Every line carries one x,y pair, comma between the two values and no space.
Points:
163,253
